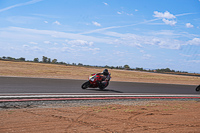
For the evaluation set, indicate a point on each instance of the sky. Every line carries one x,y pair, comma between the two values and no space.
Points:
151,34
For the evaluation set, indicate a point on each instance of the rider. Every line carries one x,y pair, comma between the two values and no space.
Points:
105,78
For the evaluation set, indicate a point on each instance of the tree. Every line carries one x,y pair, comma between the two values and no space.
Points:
106,66
140,69
36,60
126,67
120,67
22,59
61,63
54,61
49,60
167,70
44,59
80,64
10,58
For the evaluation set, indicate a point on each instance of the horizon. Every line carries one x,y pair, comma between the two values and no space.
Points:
22,59
144,34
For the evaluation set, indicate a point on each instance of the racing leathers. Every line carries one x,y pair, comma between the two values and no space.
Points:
105,80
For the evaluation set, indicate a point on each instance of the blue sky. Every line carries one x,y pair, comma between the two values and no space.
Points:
141,33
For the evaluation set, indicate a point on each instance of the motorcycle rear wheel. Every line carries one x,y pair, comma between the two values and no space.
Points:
101,88
85,85
198,88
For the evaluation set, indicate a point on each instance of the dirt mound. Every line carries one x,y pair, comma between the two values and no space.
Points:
133,116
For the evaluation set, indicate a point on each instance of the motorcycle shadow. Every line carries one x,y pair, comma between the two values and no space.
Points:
108,90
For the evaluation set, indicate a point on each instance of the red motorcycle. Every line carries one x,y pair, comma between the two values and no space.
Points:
93,82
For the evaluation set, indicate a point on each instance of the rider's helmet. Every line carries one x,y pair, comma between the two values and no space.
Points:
105,72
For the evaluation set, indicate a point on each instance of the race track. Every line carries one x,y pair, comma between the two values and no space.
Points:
40,85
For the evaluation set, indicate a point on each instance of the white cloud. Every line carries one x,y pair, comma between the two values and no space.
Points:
105,3
142,51
47,42
183,14
122,12
21,19
36,49
33,43
147,56
184,55
78,49
129,14
164,32
119,53
79,43
78,40
25,46
169,22
46,22
30,49
189,25
66,49
119,13
56,22
115,27
195,41
14,33
94,50
96,23
140,41
21,4
136,10
193,61
166,15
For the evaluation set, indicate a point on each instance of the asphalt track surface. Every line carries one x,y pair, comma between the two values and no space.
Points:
16,85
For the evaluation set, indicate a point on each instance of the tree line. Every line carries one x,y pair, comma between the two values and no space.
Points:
125,67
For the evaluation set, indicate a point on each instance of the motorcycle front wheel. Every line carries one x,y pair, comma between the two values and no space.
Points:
85,85
198,88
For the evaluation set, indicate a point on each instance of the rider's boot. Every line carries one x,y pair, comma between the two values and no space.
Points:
101,86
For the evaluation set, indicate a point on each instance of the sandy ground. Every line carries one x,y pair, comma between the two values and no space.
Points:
129,117
132,116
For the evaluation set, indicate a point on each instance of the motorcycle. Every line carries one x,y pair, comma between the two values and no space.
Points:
198,88
94,82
